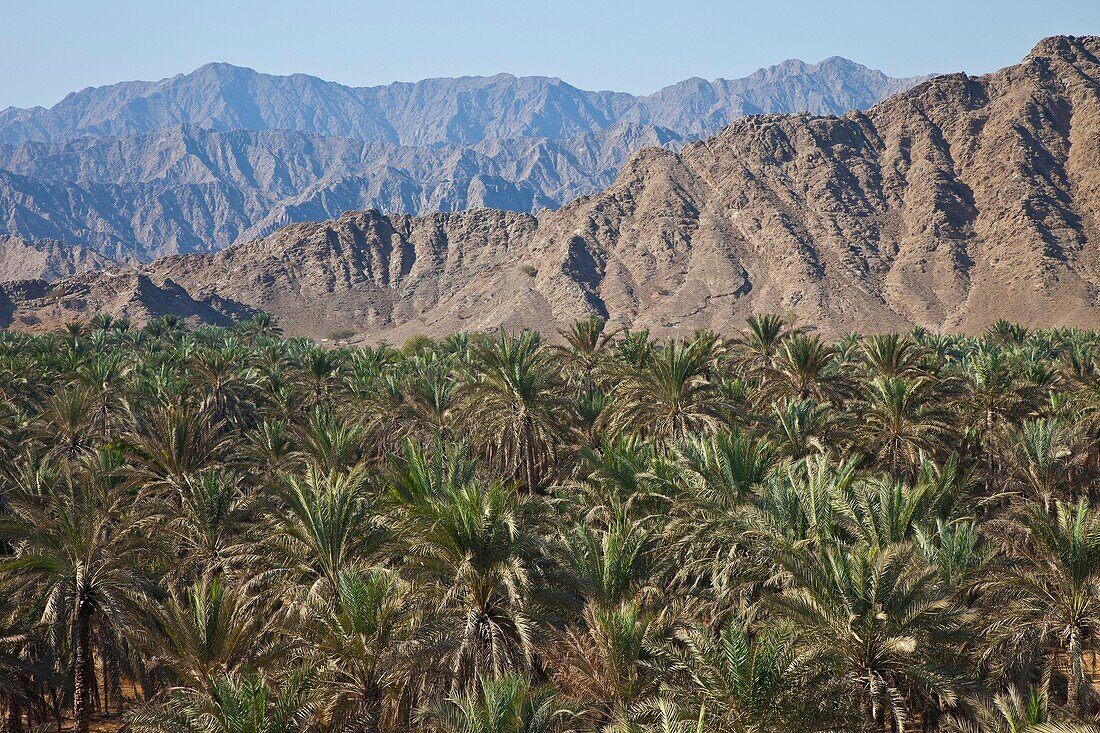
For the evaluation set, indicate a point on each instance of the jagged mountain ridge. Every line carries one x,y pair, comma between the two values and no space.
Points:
223,155
186,189
435,112
958,202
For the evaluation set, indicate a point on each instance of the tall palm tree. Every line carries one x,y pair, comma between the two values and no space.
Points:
759,342
370,649
475,548
68,425
430,392
878,622
753,682
517,411
902,421
892,356
803,367
1047,458
613,565
587,342
321,525
726,469
171,444
331,441
671,395
210,628
224,379
81,559
613,663
210,526
807,427
1044,607
997,394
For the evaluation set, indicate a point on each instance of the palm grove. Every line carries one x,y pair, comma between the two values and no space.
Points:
225,530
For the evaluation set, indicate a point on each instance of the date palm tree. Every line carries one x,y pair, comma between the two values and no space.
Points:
759,342
613,565
171,444
878,622
891,356
234,703
803,367
673,394
1044,607
475,549
587,343
1047,458
430,396
517,411
210,628
80,559
753,681
321,525
997,393
613,663
210,528
370,647
902,421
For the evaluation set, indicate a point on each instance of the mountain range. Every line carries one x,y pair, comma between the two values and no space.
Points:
223,155
950,205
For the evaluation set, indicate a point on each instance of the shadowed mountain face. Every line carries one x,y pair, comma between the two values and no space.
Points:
958,202
225,154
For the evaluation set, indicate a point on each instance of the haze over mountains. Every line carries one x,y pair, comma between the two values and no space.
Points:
224,154
950,205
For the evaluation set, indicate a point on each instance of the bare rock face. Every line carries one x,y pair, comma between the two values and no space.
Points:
950,205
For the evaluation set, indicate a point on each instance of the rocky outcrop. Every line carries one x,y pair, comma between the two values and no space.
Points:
950,205
45,259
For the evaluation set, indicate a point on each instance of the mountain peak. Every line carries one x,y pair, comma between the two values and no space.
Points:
1059,45
221,70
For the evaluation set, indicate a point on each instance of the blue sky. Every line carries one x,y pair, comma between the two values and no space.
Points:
50,48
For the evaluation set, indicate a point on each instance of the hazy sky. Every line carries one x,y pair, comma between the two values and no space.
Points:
48,48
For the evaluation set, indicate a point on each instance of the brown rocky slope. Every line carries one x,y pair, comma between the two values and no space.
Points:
950,205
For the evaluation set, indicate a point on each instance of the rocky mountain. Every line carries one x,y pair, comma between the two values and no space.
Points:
950,205
437,112
224,154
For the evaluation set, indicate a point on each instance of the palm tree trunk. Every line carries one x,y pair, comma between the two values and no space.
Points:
112,678
894,459
81,668
529,456
1076,682
14,723
989,451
